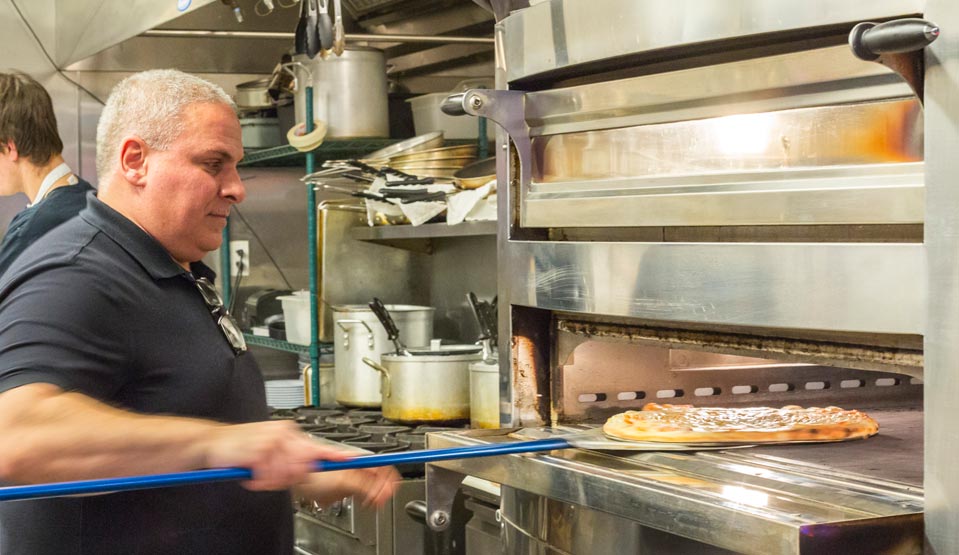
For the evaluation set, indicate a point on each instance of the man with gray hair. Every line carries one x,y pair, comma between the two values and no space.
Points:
117,356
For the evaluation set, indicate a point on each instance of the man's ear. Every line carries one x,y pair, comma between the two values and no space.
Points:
133,160
9,149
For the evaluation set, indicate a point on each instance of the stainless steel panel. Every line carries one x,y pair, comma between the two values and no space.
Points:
860,134
748,501
483,531
942,243
101,83
80,32
563,33
882,195
614,154
193,55
353,272
796,80
461,265
842,287
355,530
90,109
534,525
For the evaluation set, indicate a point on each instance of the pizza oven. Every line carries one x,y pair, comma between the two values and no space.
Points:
723,204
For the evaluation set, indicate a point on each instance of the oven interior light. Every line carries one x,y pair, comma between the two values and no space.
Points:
745,496
744,134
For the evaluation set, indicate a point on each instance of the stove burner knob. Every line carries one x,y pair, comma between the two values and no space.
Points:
317,509
336,509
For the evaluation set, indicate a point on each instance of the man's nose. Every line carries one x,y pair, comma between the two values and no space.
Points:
233,188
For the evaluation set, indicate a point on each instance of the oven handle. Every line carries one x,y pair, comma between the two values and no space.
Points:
897,45
870,40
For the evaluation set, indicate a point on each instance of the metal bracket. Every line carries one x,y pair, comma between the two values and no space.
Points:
897,45
346,332
508,109
441,488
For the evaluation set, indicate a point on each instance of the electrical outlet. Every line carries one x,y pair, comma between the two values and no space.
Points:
234,257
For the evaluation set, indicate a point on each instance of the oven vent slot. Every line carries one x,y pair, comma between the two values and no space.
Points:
603,378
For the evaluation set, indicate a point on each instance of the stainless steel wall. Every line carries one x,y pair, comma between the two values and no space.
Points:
77,112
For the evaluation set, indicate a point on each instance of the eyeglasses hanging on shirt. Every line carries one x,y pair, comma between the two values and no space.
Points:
56,174
227,324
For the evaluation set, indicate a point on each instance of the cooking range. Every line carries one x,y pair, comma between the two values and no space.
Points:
343,528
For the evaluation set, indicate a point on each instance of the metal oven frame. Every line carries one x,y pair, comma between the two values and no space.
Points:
871,289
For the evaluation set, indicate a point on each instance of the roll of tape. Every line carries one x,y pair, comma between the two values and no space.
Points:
305,142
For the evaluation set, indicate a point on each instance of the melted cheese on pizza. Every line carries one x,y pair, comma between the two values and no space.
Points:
684,423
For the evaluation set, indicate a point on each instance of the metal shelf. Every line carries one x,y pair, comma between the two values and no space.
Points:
278,345
426,231
286,155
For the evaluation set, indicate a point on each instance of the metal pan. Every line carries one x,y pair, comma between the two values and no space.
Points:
475,175
456,151
415,144
445,174
456,163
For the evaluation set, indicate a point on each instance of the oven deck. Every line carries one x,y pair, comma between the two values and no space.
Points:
775,499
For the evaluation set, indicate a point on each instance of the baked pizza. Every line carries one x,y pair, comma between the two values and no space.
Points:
689,424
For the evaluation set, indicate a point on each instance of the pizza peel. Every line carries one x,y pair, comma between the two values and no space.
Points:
593,439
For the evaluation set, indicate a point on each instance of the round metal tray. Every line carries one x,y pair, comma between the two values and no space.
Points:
414,144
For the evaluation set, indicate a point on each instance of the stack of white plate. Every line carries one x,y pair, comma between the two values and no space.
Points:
284,394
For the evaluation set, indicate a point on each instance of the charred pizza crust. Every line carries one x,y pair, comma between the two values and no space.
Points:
688,424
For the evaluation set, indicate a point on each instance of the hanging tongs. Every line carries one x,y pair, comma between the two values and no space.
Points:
392,333
324,28
307,38
339,35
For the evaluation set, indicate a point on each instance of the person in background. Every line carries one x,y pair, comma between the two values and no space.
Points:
117,356
31,163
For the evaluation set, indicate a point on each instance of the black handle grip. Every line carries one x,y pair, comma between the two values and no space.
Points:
453,105
417,511
423,181
869,40
478,314
383,315
426,197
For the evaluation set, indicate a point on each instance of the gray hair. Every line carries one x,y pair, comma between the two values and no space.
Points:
149,105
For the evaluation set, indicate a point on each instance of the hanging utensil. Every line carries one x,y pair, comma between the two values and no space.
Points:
306,40
474,303
325,27
586,440
480,313
392,333
339,35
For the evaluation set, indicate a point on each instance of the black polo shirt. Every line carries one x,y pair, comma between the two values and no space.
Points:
35,221
97,306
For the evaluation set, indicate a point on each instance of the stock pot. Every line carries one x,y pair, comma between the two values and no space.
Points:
357,334
427,386
349,93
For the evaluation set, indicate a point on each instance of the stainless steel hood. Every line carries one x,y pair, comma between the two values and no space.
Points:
85,27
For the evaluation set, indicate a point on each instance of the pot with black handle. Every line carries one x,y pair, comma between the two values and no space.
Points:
427,386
